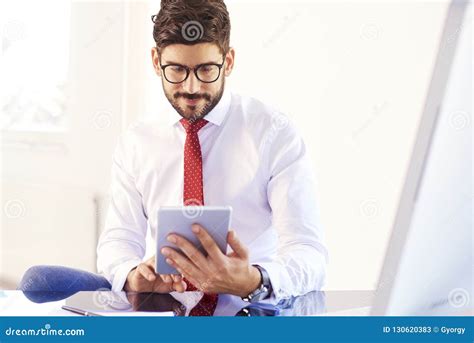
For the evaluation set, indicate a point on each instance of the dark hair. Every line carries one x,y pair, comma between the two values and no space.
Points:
190,22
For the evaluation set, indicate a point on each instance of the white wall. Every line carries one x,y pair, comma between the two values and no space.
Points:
363,70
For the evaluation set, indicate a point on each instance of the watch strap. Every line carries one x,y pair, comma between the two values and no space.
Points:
264,290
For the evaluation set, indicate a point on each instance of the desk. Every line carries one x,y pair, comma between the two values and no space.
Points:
19,303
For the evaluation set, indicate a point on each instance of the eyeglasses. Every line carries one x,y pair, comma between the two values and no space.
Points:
207,72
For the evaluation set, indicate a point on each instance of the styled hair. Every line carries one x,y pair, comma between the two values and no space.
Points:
191,22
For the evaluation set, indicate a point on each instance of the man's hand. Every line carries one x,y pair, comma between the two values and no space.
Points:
144,279
216,272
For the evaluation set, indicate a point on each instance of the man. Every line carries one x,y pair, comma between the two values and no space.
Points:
218,149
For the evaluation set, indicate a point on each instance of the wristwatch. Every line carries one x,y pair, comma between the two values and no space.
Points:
263,291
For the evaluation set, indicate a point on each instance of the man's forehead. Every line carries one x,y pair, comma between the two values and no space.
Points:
191,54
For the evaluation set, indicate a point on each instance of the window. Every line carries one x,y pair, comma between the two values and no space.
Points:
34,66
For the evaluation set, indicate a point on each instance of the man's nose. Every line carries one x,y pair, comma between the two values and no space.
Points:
192,85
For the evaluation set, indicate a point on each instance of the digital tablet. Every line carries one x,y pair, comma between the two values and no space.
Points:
215,219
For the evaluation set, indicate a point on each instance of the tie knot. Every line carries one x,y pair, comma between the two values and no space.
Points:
192,126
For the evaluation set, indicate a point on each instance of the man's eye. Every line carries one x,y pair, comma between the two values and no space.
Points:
177,69
206,69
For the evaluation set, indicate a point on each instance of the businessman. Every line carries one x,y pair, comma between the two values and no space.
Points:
218,148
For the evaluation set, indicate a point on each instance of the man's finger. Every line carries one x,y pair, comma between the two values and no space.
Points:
237,245
190,251
191,280
151,261
166,278
179,286
158,287
207,242
146,272
176,278
178,260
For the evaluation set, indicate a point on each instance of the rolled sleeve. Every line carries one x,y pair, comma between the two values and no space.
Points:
300,263
122,244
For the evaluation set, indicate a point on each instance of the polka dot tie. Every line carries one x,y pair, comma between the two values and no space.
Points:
193,194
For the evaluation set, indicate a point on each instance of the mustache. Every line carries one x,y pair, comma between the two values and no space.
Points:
192,96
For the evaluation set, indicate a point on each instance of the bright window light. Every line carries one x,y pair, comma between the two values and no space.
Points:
35,38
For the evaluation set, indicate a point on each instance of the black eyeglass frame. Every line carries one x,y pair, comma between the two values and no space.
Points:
195,70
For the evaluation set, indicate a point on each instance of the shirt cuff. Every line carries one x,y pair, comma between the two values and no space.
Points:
188,299
121,274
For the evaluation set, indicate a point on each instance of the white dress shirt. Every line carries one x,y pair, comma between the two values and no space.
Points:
253,160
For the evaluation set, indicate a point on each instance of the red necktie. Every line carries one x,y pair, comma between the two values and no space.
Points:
193,194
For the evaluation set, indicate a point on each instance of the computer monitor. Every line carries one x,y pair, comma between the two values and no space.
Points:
428,267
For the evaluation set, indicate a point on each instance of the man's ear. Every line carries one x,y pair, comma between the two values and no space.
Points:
229,61
155,58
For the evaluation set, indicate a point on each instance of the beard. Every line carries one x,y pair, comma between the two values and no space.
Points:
194,112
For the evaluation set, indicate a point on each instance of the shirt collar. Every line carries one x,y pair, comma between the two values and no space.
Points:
217,114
